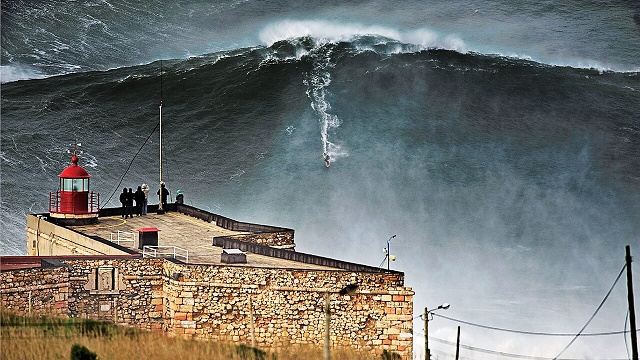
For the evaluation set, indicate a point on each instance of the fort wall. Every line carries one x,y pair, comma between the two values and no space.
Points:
274,306
45,238
35,291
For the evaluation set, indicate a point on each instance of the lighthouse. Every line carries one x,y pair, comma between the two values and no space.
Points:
73,203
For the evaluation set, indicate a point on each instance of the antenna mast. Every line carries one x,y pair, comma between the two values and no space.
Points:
160,206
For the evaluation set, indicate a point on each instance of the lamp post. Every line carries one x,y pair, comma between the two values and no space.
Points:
388,253
347,290
427,352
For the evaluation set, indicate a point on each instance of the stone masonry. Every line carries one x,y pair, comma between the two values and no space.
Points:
274,306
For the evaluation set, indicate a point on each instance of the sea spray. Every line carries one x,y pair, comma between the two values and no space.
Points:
317,82
332,32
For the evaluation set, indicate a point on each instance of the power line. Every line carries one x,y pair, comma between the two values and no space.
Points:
525,332
595,312
501,353
129,166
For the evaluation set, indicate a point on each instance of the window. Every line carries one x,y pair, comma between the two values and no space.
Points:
67,184
74,184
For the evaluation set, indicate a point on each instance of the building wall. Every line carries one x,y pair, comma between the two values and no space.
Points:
213,302
124,291
45,238
35,291
287,306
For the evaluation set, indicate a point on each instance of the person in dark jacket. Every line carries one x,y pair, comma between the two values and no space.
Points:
130,202
123,201
138,196
163,197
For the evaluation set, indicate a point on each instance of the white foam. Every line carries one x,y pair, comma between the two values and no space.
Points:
317,81
328,31
9,73
423,38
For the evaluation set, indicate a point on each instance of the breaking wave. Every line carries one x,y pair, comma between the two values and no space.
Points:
326,31
9,73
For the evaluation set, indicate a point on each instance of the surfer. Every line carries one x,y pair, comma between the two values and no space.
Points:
327,159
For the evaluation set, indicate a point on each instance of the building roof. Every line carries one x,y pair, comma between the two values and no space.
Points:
190,236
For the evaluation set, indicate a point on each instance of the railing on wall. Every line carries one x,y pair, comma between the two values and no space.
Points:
231,243
165,251
123,237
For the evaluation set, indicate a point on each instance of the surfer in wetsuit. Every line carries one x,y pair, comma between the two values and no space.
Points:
327,159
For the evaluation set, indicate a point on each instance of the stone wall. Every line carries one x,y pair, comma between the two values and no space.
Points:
277,306
278,239
287,306
256,233
35,291
124,291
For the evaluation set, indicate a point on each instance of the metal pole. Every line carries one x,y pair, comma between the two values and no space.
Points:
427,352
632,311
388,253
160,207
458,344
327,325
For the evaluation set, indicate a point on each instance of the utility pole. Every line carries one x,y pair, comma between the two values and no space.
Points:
327,322
427,352
632,311
458,344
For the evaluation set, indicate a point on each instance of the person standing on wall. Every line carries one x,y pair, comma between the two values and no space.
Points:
130,202
145,202
139,198
123,201
164,196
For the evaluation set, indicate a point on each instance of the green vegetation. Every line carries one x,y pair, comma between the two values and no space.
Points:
43,337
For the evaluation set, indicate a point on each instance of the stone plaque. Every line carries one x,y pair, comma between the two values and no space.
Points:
105,278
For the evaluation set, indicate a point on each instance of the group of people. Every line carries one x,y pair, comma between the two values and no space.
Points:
141,198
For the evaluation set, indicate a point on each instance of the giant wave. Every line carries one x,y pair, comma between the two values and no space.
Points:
469,158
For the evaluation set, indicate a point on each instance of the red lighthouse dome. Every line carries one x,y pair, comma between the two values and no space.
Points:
73,203
74,171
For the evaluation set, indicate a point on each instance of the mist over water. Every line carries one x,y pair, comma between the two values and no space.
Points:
511,184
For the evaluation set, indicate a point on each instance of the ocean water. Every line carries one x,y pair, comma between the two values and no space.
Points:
499,140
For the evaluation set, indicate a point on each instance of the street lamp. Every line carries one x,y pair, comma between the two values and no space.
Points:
425,317
387,254
347,290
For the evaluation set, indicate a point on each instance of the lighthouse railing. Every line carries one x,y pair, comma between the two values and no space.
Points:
54,201
58,204
94,202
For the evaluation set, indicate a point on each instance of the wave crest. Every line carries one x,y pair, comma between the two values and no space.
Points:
9,73
327,31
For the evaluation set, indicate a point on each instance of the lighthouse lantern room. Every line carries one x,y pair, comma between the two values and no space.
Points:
73,203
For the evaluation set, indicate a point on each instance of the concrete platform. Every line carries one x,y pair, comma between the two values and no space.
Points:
185,232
